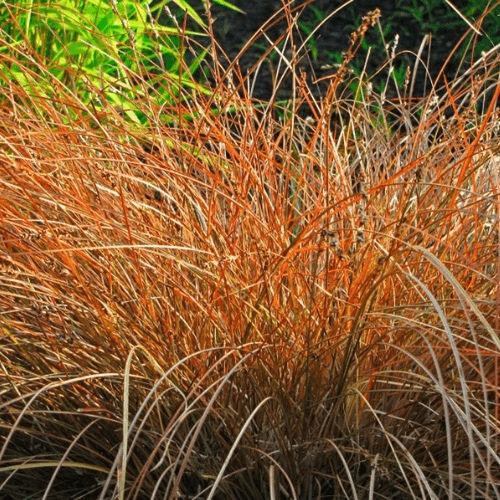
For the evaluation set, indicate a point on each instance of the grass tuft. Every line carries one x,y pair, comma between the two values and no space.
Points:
239,299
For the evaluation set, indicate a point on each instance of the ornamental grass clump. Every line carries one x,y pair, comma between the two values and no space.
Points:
242,300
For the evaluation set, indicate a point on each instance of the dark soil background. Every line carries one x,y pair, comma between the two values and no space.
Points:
233,30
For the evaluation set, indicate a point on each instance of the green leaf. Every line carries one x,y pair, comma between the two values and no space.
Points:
105,22
229,6
198,60
185,6
77,48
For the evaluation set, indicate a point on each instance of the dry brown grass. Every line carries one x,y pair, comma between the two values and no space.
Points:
236,302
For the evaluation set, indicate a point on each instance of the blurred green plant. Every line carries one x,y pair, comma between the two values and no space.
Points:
490,25
113,51
430,16
308,27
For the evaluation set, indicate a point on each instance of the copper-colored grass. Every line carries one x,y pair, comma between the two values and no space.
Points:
235,301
